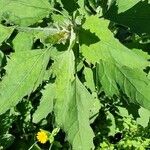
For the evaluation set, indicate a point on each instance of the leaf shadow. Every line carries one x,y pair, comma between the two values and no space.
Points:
136,18
86,37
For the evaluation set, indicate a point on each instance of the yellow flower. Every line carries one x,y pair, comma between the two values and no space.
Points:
42,137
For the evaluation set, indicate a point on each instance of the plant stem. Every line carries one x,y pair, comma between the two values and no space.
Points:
50,146
32,145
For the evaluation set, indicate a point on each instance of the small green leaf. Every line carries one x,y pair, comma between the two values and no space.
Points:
51,138
55,131
112,126
5,33
144,118
123,111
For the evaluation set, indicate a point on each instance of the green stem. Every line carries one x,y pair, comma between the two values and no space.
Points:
50,146
32,145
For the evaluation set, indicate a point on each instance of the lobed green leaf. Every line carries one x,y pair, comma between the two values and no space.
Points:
72,104
24,73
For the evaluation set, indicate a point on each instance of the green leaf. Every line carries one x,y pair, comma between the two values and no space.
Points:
124,5
23,41
46,103
72,104
123,111
22,12
106,77
112,126
24,72
55,131
118,67
5,33
133,82
107,47
89,83
144,118
74,116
